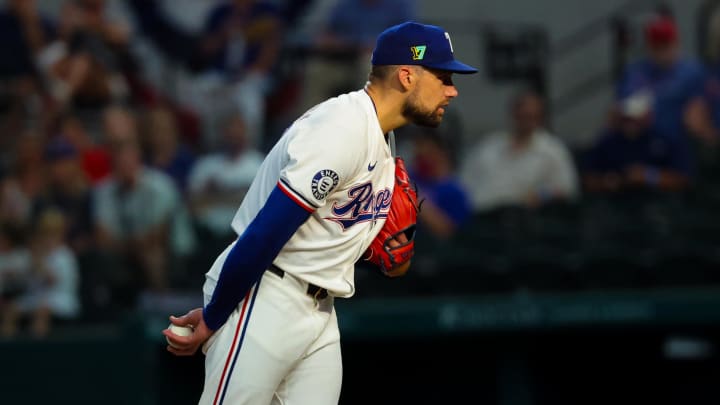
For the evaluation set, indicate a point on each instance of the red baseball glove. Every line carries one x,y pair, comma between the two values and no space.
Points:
394,246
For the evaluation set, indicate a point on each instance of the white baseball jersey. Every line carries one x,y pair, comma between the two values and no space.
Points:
335,162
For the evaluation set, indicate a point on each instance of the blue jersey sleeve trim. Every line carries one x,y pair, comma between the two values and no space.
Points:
253,253
302,200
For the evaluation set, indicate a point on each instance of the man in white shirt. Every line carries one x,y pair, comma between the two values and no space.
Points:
219,180
523,166
138,213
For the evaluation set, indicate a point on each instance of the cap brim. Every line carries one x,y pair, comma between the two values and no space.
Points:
453,66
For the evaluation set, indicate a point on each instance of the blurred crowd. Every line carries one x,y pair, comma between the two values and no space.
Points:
113,186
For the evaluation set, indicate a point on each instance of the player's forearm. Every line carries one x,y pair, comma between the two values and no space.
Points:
252,254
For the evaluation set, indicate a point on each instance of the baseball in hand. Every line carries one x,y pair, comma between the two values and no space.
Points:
180,331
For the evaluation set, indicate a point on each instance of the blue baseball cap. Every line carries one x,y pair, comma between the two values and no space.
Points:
412,43
59,149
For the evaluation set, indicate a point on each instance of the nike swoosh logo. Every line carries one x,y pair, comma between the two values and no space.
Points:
371,167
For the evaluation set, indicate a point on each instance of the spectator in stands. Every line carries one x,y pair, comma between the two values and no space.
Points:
238,53
703,118
345,41
354,24
53,295
119,125
221,79
69,193
29,170
85,65
15,267
138,213
669,78
164,149
15,206
523,166
634,156
23,33
94,158
445,202
218,181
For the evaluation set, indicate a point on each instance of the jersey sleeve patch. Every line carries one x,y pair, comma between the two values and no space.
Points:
323,183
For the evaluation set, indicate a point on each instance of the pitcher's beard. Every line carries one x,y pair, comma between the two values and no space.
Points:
413,114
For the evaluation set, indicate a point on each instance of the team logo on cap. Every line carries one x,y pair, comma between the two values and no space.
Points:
323,183
447,36
418,52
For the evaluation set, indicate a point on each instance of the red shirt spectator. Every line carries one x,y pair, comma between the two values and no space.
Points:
94,159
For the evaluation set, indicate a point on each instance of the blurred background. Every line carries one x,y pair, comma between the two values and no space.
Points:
569,244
